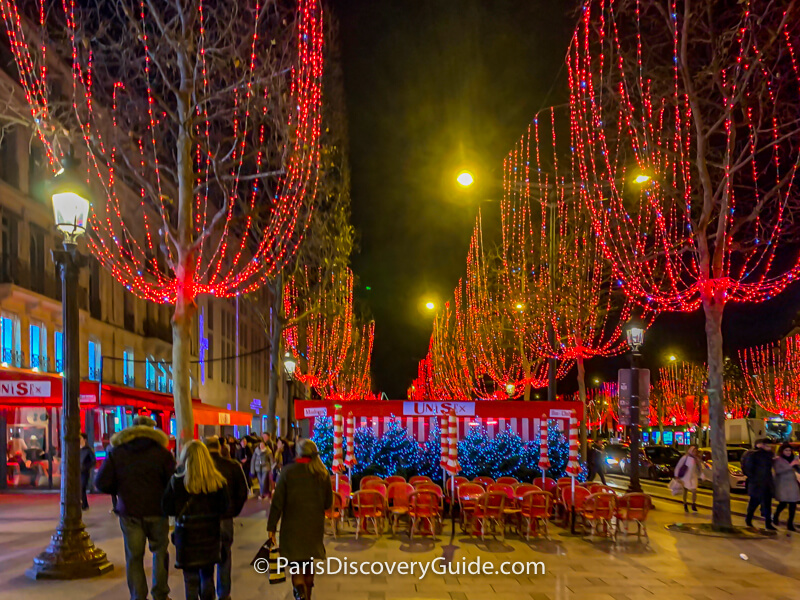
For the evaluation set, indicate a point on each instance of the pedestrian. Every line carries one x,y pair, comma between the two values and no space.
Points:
785,467
87,464
244,455
302,495
688,471
261,466
197,496
596,463
138,469
757,466
107,448
237,490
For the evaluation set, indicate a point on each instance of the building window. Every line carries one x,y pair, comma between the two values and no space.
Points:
149,373
58,351
210,342
9,165
36,253
94,360
162,384
128,367
10,346
38,347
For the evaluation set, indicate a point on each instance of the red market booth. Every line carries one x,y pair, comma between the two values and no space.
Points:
418,417
30,421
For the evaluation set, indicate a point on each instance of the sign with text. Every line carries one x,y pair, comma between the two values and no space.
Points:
224,418
315,412
25,389
626,381
560,414
87,399
434,409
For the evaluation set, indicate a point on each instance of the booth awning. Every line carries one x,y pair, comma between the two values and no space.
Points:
206,414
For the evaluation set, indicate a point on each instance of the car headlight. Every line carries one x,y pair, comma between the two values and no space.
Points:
735,471
610,460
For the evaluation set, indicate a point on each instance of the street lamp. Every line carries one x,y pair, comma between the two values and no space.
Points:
510,389
71,553
430,305
634,332
465,178
289,364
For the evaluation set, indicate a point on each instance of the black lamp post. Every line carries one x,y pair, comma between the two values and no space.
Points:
289,365
635,334
71,553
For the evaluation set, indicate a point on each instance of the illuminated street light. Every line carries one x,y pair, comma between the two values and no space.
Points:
641,178
510,389
672,358
520,306
289,364
465,178
430,305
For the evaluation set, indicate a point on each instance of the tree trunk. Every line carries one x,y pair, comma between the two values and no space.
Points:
721,509
582,395
275,332
181,376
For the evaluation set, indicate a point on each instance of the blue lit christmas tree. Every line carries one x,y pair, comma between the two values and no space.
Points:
396,452
365,442
475,453
431,455
323,438
506,454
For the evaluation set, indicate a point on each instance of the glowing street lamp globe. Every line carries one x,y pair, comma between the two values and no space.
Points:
510,389
430,305
289,364
635,335
465,178
70,197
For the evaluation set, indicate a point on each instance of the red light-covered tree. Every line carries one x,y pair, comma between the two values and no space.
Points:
772,376
200,121
685,138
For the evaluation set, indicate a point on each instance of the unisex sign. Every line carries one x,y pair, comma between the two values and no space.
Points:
25,389
433,409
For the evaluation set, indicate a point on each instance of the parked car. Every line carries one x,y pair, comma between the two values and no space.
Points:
736,477
655,462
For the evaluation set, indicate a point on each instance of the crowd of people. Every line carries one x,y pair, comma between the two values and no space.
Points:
204,491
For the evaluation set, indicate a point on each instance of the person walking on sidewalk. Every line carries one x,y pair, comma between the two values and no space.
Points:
757,466
237,490
138,469
596,462
787,490
261,466
87,464
688,471
302,495
197,496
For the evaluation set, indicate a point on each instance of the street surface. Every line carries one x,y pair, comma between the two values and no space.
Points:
673,566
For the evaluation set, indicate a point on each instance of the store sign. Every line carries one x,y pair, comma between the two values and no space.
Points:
25,389
315,412
432,409
87,399
556,413
224,419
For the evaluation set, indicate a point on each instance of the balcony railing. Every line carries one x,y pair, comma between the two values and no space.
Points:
94,373
59,364
12,358
129,380
40,362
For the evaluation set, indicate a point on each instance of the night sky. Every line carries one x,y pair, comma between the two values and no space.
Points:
436,86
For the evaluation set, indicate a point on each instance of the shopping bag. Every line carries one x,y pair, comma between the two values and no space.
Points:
271,553
675,486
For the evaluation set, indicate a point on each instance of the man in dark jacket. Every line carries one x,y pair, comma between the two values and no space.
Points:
238,487
87,464
596,462
138,470
757,466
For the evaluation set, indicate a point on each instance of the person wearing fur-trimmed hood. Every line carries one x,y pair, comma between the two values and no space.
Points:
138,469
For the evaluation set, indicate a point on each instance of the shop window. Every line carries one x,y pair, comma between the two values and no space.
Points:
9,341
94,360
38,347
128,377
149,374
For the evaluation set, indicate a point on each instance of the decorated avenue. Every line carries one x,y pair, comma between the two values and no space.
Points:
383,300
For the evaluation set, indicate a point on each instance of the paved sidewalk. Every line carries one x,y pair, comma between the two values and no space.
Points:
673,566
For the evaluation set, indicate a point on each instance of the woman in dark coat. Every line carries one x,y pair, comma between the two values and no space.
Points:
197,496
302,495
785,467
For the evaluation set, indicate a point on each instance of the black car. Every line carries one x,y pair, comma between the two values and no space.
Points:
655,462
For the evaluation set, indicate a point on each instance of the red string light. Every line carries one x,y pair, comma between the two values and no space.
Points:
772,376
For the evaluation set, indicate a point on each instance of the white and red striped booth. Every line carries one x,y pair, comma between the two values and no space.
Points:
418,417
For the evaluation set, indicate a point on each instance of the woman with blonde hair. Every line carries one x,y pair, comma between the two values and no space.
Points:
197,496
302,495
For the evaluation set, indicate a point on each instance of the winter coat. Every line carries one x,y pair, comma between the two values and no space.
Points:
197,523
137,470
262,462
237,483
757,466
87,459
786,487
244,456
695,467
299,503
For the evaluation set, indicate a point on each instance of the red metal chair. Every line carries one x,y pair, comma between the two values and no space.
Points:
536,507
570,503
549,485
523,488
343,489
509,480
395,479
598,510
417,478
423,505
484,481
368,505
489,512
633,507
468,495
375,484
507,489
336,512
596,488
511,510
436,489
397,496
367,479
